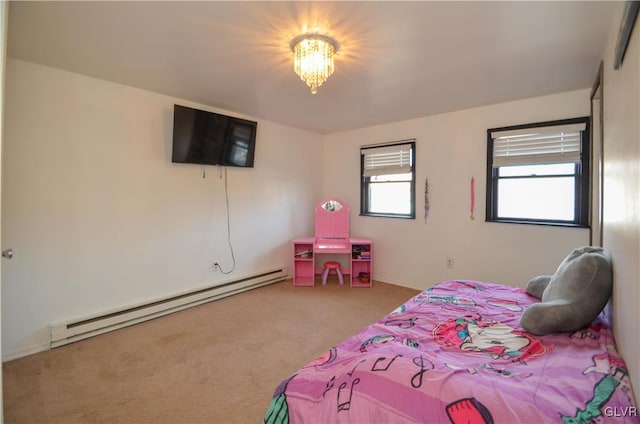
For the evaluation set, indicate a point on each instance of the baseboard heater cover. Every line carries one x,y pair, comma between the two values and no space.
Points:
74,330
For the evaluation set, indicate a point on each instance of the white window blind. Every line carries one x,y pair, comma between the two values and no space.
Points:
541,145
387,159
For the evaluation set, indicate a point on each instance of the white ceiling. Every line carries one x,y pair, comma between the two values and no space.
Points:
397,60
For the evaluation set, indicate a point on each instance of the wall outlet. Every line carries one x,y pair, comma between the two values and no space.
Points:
449,262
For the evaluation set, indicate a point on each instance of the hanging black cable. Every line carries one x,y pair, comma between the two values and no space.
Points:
233,257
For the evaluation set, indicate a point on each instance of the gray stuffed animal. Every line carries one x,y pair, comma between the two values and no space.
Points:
572,297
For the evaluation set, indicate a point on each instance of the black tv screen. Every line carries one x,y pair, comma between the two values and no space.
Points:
209,138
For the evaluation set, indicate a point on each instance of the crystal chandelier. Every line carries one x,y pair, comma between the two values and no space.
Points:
313,58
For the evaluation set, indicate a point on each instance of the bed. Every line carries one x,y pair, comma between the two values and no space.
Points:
455,354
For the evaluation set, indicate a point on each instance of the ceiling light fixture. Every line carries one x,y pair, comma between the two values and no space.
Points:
313,58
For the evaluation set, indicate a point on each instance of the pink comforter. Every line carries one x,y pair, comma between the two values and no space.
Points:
456,354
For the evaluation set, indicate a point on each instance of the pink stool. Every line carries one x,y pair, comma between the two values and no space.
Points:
328,266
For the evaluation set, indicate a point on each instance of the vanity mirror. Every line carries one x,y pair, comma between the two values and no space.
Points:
332,219
331,206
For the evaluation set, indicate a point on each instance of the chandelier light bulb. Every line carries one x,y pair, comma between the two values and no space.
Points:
313,58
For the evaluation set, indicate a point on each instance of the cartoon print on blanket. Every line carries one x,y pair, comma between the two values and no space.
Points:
381,339
615,376
402,322
475,334
468,410
489,369
327,358
278,411
444,299
456,285
509,305
376,340
592,331
441,355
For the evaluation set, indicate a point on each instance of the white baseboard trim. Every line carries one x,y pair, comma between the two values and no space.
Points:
89,326
122,317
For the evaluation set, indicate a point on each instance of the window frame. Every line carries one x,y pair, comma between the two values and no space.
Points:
365,181
581,185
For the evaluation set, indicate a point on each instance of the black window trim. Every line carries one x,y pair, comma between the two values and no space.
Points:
582,192
364,183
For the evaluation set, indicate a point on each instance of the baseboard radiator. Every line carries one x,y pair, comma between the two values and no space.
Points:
71,331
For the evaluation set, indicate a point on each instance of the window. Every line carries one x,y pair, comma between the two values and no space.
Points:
539,173
388,180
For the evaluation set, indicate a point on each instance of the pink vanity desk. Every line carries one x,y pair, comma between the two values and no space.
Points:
332,237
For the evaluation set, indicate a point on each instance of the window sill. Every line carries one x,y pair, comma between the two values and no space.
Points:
388,215
534,222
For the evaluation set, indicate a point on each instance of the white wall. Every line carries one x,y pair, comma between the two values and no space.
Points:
621,222
450,149
100,218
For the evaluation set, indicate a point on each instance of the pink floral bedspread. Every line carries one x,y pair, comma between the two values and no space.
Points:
456,354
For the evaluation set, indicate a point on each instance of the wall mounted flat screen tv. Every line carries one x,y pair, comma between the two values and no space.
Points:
208,138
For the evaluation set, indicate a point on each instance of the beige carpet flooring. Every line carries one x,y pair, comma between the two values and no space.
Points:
215,363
